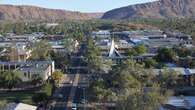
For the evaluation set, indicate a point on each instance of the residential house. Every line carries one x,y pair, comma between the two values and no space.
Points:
27,70
43,69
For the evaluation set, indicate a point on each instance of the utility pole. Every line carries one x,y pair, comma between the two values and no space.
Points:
84,98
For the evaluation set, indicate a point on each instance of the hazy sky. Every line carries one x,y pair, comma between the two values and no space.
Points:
77,5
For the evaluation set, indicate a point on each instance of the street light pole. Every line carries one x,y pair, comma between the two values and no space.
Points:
84,97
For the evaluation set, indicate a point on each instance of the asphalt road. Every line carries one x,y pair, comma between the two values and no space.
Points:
67,86
61,102
62,92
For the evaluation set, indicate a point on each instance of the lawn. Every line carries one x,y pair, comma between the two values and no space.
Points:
24,97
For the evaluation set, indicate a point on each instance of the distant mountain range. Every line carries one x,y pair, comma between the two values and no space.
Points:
157,9
12,12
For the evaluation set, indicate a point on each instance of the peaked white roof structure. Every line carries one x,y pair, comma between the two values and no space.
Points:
22,106
113,52
19,106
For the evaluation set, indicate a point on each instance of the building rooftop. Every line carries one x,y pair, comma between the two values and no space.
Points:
35,66
168,42
179,70
182,102
29,65
20,106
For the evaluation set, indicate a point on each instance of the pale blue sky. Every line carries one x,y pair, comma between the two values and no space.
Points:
77,5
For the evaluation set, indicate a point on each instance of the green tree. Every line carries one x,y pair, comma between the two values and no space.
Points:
40,50
11,79
137,50
62,61
57,76
131,52
150,63
93,57
183,52
123,80
47,89
165,55
3,104
69,44
19,28
167,78
132,86
97,87
140,100
140,49
137,88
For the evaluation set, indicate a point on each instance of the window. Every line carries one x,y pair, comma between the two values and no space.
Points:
25,74
28,74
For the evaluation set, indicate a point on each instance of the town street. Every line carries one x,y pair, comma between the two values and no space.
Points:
73,91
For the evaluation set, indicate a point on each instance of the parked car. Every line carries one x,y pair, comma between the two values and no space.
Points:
74,107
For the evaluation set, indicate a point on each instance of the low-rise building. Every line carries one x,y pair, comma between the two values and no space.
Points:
101,34
180,70
27,70
179,103
16,52
43,69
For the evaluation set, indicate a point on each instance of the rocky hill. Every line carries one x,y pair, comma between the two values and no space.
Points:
12,12
157,9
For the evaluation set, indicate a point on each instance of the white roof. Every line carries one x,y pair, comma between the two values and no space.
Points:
186,101
192,71
22,106
179,70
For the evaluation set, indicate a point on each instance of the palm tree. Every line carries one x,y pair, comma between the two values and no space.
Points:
3,104
11,79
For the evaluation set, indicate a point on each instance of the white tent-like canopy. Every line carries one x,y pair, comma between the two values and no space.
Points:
19,106
113,52
22,106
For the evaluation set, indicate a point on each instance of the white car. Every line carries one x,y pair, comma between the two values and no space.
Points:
74,107
60,96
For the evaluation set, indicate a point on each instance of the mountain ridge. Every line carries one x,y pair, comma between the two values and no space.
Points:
26,12
156,9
